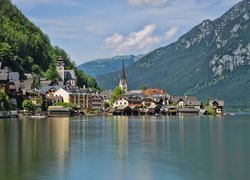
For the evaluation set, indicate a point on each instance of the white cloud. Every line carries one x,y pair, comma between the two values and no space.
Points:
141,41
142,2
171,33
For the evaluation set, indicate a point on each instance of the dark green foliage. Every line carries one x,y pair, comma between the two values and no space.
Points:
106,105
64,104
36,81
143,88
51,73
5,104
25,48
29,106
118,92
209,111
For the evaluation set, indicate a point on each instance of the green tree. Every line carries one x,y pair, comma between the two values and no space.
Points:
36,69
106,105
5,104
29,106
207,102
143,87
64,104
36,81
51,73
118,92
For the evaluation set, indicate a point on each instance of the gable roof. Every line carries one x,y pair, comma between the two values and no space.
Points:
193,103
28,75
69,75
14,76
176,99
150,92
220,102
4,76
45,89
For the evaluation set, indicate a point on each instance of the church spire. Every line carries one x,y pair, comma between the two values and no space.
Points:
123,82
123,76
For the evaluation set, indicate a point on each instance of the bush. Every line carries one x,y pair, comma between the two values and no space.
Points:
64,104
209,111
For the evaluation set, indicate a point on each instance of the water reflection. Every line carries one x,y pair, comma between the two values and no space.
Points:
126,148
32,146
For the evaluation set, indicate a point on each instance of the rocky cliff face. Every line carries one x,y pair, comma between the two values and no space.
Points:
213,59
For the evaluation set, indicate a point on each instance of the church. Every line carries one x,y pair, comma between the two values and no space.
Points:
67,77
123,82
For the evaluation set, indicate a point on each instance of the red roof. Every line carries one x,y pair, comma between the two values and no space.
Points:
150,92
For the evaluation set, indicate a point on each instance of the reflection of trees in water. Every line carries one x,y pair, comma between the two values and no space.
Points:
180,146
28,145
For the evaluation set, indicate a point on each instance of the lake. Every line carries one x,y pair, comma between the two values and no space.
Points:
117,148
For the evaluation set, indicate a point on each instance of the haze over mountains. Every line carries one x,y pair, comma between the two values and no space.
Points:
107,65
212,60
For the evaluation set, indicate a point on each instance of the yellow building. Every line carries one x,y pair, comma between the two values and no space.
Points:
82,98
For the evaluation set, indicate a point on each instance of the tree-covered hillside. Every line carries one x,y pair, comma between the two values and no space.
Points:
104,66
25,48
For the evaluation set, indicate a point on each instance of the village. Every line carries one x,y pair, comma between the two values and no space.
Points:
64,98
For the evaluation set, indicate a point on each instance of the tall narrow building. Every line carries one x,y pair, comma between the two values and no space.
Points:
123,83
60,67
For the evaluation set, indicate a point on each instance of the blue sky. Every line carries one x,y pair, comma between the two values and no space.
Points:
91,29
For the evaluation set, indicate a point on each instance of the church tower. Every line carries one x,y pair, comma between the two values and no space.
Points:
123,83
60,67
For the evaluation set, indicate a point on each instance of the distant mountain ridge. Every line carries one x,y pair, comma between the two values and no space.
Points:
107,65
212,60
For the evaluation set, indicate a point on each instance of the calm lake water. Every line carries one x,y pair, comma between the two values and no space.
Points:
114,148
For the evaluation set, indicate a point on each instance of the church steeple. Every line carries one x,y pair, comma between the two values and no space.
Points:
123,83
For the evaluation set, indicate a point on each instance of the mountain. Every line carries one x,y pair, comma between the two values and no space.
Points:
104,66
25,48
211,60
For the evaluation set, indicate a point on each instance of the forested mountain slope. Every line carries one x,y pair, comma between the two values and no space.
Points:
211,60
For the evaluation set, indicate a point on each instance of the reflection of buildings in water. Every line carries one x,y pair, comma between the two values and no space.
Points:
122,135
59,137
25,141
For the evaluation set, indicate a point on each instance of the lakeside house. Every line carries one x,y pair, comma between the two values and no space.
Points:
150,101
155,101
217,105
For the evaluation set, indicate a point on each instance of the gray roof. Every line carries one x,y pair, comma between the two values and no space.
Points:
69,74
176,99
28,75
45,89
135,92
4,76
45,83
78,90
14,76
193,103
220,102
106,94
26,85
